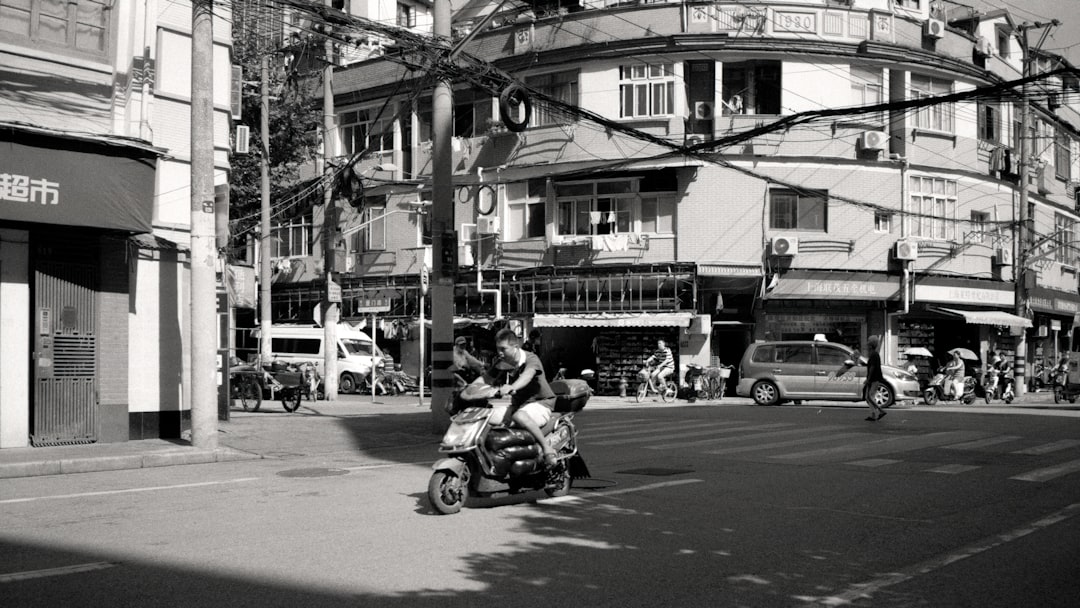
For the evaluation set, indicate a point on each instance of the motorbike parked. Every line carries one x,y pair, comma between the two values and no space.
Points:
936,391
997,385
487,457
1063,389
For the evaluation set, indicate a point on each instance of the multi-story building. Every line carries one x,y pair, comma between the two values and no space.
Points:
94,216
899,221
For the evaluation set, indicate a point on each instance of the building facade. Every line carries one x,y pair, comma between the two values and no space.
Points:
94,217
833,201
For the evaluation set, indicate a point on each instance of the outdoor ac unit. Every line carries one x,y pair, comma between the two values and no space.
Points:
984,47
873,140
1003,256
907,250
703,110
934,28
243,136
487,224
785,245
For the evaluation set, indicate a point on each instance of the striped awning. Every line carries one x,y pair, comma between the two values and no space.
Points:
611,319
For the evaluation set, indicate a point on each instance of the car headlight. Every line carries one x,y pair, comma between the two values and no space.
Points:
901,375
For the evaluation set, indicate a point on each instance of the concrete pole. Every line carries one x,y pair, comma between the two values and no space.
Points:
443,238
265,274
330,311
204,256
1020,274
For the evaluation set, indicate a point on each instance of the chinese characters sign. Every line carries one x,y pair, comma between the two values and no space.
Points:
26,189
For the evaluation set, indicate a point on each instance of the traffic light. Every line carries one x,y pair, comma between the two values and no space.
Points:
448,253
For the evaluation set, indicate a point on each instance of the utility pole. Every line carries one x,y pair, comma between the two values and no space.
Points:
1023,238
204,256
330,311
443,238
265,337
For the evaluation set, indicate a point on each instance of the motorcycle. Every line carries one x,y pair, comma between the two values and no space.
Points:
935,391
487,457
1063,389
997,385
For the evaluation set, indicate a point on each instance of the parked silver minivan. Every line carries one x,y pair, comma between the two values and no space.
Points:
774,372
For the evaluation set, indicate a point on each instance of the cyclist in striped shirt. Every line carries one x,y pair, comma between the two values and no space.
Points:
663,361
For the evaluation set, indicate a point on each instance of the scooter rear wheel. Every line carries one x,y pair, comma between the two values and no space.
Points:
447,492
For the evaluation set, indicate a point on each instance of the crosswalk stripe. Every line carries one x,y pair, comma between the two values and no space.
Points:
981,443
883,446
952,469
679,435
654,429
750,437
787,443
1048,473
874,462
1056,446
618,424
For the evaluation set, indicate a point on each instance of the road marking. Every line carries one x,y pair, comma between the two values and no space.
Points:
29,574
981,443
742,438
1050,472
127,491
387,465
953,469
887,445
688,432
651,486
866,590
785,444
873,462
654,429
1056,446
631,423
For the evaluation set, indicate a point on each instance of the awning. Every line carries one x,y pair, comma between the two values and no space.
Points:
609,319
987,317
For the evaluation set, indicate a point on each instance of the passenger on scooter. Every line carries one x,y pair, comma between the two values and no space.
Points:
664,362
520,375
954,371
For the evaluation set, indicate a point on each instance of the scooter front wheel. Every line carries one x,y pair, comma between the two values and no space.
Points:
447,492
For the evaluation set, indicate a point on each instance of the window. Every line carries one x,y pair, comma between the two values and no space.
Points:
794,353
292,239
937,116
526,218
832,356
472,117
790,210
560,86
1062,157
867,89
406,15
371,237
933,200
645,204
647,90
978,226
989,118
1065,252
76,25
296,346
360,132
882,222
751,87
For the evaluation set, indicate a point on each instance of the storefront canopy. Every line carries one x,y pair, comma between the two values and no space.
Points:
987,317
645,319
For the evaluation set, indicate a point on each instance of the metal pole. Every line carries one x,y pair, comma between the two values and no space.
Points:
420,297
330,311
265,273
204,257
374,358
443,238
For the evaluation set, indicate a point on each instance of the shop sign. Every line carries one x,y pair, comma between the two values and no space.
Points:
805,324
968,295
1066,306
834,289
26,189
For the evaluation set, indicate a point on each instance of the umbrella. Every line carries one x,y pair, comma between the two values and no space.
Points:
917,351
965,354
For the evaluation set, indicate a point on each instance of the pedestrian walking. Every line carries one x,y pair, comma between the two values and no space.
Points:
873,376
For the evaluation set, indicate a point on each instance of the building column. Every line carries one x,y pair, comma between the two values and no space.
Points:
14,338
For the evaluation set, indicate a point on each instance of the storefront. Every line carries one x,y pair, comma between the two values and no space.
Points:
1052,326
728,292
67,270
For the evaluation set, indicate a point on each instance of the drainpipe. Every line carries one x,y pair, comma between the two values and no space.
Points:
480,277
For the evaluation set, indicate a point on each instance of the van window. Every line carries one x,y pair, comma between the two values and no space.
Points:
832,356
357,347
794,353
763,354
296,346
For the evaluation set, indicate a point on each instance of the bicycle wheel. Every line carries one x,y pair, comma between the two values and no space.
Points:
642,391
671,391
250,395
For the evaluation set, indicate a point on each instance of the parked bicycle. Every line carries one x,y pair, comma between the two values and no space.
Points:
667,392
715,381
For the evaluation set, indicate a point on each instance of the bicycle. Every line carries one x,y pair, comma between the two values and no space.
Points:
670,389
715,381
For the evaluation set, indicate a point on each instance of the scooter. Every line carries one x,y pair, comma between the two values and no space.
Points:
935,390
489,458
995,385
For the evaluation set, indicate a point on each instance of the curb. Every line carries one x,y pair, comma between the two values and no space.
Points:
65,466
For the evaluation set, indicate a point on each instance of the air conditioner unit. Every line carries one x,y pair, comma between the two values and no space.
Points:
243,137
1003,256
785,245
873,140
984,47
487,224
907,250
934,28
703,110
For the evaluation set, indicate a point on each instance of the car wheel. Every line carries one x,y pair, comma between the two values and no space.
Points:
881,395
346,384
765,393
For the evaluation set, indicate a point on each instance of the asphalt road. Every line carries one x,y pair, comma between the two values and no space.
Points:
686,506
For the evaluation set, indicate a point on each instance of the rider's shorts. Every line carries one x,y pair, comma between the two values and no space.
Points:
538,412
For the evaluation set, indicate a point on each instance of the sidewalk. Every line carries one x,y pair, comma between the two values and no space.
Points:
354,422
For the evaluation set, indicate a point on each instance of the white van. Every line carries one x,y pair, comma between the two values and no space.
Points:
304,343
